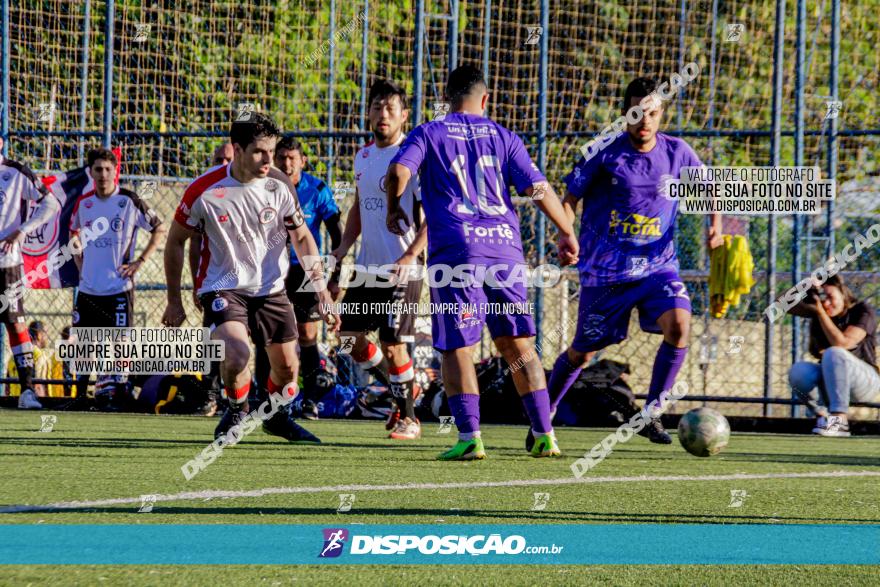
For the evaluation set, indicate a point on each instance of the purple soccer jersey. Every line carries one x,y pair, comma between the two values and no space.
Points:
466,163
627,225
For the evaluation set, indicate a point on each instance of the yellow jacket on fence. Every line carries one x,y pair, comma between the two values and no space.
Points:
730,274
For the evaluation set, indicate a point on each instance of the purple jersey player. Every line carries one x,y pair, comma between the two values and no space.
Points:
627,255
466,163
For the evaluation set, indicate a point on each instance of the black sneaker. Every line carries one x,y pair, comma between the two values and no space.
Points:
309,410
530,440
231,417
281,424
655,432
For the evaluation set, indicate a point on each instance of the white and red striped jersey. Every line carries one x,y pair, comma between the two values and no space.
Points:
18,186
244,230
102,257
379,246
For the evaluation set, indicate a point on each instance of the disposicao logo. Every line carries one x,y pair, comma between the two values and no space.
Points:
334,541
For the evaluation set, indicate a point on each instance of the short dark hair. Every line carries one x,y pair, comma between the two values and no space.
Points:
383,88
289,144
464,81
102,154
243,133
35,327
640,87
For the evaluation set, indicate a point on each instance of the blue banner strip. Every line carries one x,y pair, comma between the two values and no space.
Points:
630,544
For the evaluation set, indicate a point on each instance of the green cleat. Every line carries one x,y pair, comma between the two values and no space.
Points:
545,446
464,450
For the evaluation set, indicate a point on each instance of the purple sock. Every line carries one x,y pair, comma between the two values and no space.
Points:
465,408
537,404
667,364
562,377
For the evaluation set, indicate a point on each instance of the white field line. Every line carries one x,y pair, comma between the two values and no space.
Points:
209,494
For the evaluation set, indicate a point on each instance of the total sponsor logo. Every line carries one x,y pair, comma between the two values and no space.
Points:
634,225
335,539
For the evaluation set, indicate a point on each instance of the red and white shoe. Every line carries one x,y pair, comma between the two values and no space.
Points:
407,429
393,418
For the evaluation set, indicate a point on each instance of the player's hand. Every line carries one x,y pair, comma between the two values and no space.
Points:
393,220
714,238
196,301
10,241
327,310
334,289
339,254
174,314
127,270
404,267
567,249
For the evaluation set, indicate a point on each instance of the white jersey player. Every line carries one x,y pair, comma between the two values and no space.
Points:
380,249
18,186
245,212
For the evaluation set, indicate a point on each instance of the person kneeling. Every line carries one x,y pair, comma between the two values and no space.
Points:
842,331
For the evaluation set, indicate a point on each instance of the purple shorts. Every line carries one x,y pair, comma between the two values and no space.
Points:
503,307
604,310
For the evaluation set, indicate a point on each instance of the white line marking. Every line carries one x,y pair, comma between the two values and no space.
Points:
209,494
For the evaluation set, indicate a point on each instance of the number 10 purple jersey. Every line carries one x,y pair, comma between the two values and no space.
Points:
466,163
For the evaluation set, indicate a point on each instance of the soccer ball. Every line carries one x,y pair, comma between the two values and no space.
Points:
703,432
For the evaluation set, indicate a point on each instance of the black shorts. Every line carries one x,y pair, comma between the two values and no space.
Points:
269,319
14,310
113,311
393,327
305,303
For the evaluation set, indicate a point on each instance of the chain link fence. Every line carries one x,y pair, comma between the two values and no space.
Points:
180,72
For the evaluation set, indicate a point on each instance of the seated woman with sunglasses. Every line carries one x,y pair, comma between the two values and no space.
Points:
842,331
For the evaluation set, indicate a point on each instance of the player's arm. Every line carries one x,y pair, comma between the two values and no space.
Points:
544,196
352,230
156,236
333,223
714,236
74,237
570,204
310,260
174,253
848,339
194,257
47,205
195,254
396,180
334,230
406,163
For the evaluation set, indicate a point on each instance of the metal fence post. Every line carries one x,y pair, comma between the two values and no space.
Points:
452,35
682,26
4,107
84,80
487,29
331,90
417,63
365,34
776,141
542,159
832,135
800,73
4,115
108,74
